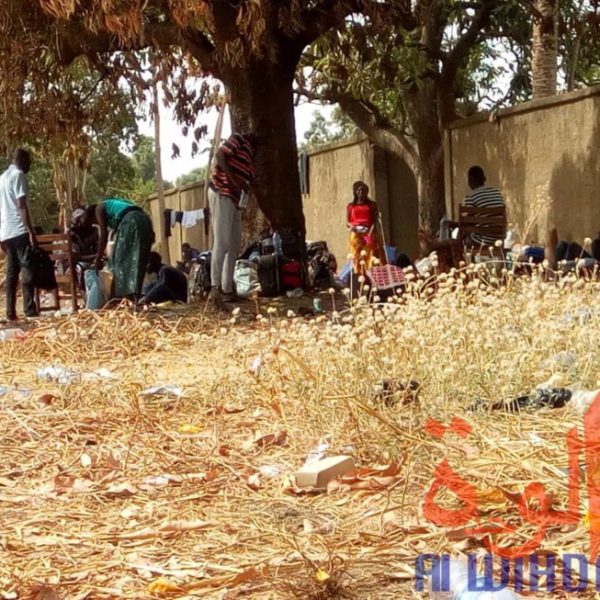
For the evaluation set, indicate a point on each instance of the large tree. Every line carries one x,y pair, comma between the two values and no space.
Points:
404,83
252,46
400,84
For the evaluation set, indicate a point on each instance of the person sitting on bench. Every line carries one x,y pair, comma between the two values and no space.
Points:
481,196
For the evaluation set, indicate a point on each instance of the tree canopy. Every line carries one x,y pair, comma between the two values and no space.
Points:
325,130
253,47
401,69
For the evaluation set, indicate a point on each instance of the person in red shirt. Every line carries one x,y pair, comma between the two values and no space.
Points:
362,217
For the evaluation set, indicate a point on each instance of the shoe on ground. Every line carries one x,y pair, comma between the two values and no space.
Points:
216,301
230,297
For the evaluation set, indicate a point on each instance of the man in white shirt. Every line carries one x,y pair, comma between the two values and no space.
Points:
16,232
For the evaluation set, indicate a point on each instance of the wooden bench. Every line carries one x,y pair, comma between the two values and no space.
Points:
476,220
58,246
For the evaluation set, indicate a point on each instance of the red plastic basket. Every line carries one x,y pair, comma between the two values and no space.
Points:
386,277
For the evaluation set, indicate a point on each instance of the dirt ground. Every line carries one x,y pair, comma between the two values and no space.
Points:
109,489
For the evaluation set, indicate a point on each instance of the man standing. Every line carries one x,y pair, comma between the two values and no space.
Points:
16,232
481,196
235,172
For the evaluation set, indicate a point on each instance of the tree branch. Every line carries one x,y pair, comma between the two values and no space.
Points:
74,40
201,48
455,58
329,14
323,17
372,123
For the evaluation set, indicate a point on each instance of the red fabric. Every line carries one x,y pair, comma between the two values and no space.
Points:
291,275
361,214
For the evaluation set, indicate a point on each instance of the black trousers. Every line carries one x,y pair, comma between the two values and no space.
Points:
570,251
15,249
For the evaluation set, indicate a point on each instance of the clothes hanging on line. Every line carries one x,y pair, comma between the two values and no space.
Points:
186,218
167,222
191,217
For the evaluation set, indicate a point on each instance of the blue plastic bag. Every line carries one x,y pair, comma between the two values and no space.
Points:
346,273
391,254
95,294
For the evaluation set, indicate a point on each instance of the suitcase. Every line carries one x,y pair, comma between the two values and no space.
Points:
292,244
268,275
291,274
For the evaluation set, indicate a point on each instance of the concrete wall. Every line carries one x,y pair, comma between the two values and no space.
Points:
332,171
543,157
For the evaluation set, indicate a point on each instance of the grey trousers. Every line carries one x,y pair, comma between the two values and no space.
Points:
227,240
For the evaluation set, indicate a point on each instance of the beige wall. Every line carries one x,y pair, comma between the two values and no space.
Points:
189,197
332,171
543,157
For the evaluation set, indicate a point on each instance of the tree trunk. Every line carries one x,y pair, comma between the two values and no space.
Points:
427,121
261,102
69,183
431,191
544,48
160,187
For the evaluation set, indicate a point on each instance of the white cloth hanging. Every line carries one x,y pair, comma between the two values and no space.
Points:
191,217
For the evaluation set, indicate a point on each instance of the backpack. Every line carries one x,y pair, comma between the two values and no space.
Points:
319,273
199,282
268,275
291,274
245,278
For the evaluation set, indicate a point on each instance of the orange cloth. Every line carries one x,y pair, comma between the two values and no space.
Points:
373,248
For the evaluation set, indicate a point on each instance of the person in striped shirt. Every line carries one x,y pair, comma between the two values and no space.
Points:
232,178
483,196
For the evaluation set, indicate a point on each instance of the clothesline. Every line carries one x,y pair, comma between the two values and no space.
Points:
186,218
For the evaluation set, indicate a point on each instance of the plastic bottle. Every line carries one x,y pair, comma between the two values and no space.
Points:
277,244
459,587
444,233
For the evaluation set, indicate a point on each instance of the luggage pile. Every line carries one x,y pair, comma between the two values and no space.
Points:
281,264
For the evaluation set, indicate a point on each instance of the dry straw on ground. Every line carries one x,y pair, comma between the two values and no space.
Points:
106,493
